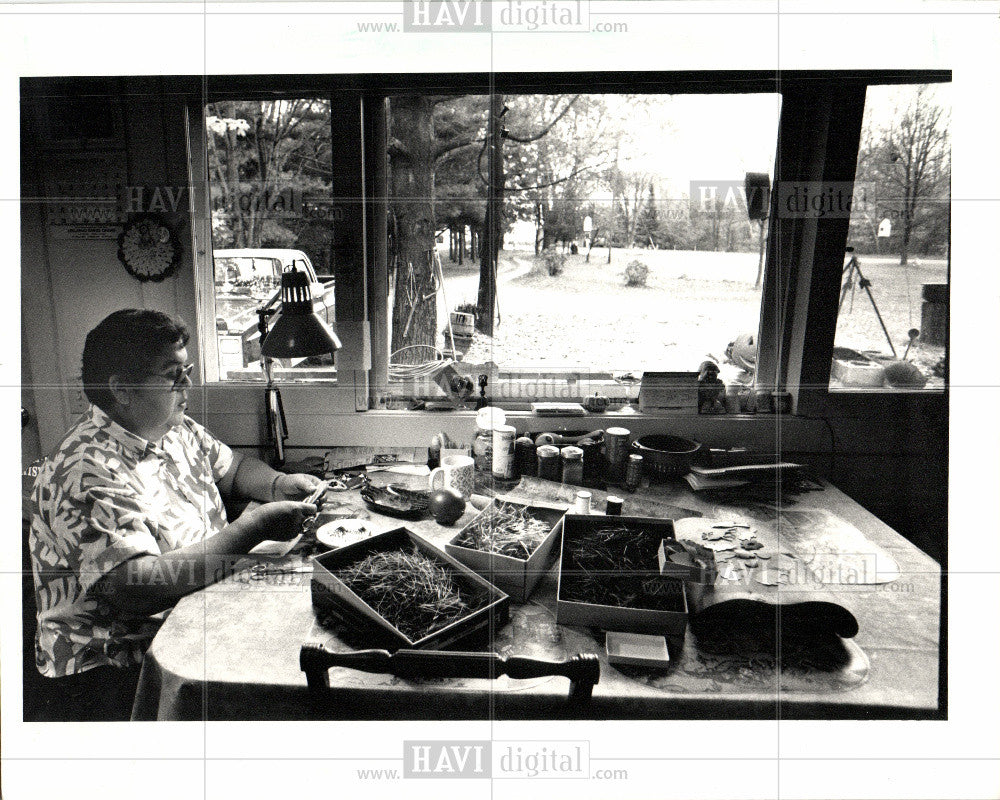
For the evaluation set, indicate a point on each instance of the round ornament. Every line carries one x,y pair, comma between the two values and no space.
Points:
149,248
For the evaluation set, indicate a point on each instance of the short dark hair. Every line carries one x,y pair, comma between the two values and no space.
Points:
126,342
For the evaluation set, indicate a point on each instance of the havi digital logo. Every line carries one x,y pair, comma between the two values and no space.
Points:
447,15
446,759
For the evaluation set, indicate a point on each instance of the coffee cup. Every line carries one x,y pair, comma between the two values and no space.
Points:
455,472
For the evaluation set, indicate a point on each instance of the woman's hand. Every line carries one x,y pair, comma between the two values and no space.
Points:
280,521
294,487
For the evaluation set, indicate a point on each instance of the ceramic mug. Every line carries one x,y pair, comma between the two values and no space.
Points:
455,472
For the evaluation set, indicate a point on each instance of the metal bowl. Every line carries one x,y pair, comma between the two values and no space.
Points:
665,456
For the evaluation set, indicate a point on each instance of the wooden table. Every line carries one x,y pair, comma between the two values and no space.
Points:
231,650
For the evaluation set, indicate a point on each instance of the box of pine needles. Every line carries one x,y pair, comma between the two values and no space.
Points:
510,544
609,576
398,590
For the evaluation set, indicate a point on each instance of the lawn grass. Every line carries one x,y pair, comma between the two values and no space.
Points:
694,303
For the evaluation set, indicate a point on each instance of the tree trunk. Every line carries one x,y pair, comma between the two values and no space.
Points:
414,312
904,249
492,241
233,182
539,229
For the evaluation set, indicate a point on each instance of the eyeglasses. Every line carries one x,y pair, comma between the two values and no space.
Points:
177,376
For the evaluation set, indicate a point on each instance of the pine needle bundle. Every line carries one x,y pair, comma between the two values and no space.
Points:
507,529
414,593
617,566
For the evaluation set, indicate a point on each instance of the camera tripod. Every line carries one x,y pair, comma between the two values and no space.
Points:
852,272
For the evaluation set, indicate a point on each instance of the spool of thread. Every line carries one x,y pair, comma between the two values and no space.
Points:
525,458
633,474
549,467
582,503
572,466
616,452
613,508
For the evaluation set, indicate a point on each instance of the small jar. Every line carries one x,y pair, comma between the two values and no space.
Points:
525,459
572,465
633,474
591,462
616,452
549,468
613,508
503,451
482,450
582,503
487,418
781,402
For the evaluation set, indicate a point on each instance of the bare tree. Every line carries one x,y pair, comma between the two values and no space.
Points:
630,190
915,161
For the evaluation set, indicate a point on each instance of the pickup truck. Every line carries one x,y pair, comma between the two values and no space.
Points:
247,279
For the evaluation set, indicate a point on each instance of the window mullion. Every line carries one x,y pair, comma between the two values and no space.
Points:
201,240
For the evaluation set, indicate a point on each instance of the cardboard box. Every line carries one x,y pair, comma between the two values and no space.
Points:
671,622
858,372
517,577
669,391
332,596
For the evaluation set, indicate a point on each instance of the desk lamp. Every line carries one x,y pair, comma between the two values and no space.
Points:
298,333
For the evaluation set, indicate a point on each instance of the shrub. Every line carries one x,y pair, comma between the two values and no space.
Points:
636,273
554,261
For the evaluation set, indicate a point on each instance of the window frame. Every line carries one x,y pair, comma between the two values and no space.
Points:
819,131
347,390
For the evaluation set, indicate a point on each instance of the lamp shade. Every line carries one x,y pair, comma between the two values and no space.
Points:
298,336
298,332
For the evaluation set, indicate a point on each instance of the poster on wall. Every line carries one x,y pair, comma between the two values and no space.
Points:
82,197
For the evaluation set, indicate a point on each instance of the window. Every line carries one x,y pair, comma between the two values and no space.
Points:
624,244
270,172
893,306
679,183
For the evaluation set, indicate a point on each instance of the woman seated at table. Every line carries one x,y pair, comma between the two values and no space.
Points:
128,515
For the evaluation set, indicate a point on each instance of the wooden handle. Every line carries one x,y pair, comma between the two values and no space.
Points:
583,670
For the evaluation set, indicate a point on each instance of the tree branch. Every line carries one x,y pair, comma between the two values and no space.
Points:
454,144
557,180
535,137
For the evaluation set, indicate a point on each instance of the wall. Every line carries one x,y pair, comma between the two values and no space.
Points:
69,284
